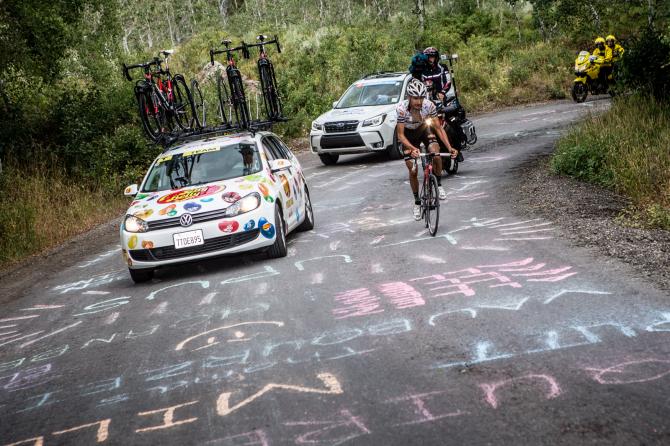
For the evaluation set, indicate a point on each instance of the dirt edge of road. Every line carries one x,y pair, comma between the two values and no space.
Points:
587,215
18,277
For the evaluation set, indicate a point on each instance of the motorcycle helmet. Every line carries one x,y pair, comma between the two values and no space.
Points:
416,88
432,52
600,40
611,40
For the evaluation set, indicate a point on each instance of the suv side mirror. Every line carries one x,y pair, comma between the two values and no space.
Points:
335,104
130,191
280,164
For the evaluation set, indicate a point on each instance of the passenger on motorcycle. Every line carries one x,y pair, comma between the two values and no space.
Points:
613,45
436,76
417,119
606,53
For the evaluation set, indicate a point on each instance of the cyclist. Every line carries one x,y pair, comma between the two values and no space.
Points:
436,74
415,126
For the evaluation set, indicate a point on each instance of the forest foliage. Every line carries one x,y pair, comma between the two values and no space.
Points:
70,116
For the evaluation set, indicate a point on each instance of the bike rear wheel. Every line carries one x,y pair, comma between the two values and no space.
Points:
199,104
270,94
432,205
182,103
224,98
239,99
151,114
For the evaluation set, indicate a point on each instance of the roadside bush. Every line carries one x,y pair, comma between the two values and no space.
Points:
627,149
646,65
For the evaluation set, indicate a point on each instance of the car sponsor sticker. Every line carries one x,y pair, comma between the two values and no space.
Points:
201,151
163,159
189,194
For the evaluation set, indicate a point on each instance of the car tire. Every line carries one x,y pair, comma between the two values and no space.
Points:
394,149
278,248
308,222
329,159
141,275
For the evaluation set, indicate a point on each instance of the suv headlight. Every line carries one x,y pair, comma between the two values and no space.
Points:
374,122
317,126
243,205
134,224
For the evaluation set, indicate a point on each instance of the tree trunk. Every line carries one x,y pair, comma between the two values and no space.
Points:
420,11
650,13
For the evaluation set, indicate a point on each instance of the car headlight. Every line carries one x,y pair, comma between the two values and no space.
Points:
134,224
374,122
317,126
243,205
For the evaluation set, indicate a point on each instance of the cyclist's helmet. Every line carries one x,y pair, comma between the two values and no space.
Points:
432,52
416,88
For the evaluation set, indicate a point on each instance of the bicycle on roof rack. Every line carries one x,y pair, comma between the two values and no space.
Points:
266,74
163,99
236,97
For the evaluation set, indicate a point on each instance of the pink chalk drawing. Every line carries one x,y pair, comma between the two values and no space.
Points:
633,371
401,295
491,388
460,281
423,414
254,438
358,302
361,301
334,432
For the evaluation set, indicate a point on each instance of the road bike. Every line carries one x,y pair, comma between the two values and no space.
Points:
163,99
429,194
237,97
266,74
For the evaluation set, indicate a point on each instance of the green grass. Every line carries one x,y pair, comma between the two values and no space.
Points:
626,149
42,208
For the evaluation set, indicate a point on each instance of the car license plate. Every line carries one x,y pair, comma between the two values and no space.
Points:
188,239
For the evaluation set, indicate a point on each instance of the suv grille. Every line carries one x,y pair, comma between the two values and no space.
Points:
213,244
340,127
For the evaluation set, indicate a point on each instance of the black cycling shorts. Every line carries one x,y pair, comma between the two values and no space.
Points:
421,135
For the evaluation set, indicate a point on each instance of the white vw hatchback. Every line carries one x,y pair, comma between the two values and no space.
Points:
215,196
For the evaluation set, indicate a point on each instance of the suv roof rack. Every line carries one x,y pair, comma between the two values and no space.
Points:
381,74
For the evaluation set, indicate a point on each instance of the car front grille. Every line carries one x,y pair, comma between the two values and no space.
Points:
341,141
213,244
341,126
197,218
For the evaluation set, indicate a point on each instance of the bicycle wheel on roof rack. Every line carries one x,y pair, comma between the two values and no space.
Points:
239,100
200,117
151,112
224,98
182,103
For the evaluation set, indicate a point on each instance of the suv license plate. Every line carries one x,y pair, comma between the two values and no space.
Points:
188,239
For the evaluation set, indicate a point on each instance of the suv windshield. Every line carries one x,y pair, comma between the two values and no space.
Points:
364,94
203,165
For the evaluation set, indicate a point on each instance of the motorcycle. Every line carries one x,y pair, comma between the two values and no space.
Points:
460,130
588,80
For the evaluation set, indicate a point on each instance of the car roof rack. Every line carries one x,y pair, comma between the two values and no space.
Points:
169,140
382,74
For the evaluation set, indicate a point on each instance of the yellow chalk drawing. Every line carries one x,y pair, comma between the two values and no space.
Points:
331,383
239,335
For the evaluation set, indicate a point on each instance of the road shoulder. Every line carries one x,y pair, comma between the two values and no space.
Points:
587,215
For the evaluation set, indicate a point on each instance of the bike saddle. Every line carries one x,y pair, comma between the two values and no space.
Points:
226,42
167,52
261,37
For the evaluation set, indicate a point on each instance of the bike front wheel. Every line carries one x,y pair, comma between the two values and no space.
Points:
271,99
151,114
431,205
183,107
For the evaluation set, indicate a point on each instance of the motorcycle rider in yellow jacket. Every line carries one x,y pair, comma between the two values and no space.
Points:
616,49
605,52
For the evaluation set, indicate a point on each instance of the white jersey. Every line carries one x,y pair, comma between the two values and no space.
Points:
428,110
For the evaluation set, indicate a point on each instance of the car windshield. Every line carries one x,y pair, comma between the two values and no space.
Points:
203,165
365,94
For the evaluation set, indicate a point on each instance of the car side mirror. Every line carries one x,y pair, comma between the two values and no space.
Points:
130,191
280,164
335,104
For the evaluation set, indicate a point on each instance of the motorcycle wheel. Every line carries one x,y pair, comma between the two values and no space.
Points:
579,92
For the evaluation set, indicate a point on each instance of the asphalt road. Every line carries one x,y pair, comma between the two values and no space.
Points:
370,332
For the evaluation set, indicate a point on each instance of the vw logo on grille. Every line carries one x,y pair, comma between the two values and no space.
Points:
186,220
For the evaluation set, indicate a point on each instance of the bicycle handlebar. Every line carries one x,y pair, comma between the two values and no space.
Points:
264,42
147,65
244,48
